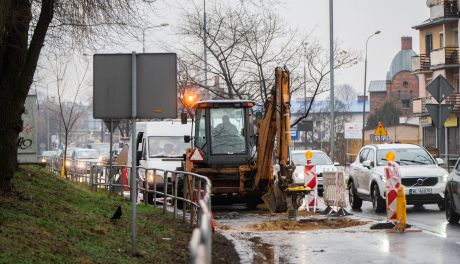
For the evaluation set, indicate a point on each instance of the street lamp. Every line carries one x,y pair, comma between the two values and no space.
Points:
145,29
364,89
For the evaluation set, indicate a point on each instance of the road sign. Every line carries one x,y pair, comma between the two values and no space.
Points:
305,125
439,118
294,134
380,130
111,125
155,75
440,88
353,130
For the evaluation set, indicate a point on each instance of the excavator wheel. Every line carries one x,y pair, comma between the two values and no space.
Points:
275,199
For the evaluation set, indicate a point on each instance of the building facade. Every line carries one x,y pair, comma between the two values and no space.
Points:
400,85
438,56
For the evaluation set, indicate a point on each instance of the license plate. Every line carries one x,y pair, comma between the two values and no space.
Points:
420,191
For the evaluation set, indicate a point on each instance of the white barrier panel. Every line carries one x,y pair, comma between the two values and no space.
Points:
335,190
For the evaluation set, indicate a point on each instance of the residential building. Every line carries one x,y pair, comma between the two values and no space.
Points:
438,56
400,85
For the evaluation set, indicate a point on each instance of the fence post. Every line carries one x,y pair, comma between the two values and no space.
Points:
184,205
165,190
175,194
146,187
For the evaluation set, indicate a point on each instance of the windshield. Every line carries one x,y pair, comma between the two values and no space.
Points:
173,146
86,154
410,156
227,130
318,158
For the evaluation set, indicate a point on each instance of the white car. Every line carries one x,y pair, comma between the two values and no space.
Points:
424,180
321,161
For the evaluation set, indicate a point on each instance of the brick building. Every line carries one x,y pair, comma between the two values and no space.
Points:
400,85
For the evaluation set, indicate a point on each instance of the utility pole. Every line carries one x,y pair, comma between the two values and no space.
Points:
305,86
205,56
331,64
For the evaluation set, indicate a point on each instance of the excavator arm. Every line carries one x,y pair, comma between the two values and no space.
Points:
274,130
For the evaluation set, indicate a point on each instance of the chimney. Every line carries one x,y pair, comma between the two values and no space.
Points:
406,43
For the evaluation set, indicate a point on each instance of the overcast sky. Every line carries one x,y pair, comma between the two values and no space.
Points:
354,21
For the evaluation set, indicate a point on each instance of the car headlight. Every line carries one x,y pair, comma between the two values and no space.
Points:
43,160
99,163
81,165
444,177
68,163
150,176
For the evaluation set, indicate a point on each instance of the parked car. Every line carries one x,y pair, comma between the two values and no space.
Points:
47,155
424,180
321,161
452,193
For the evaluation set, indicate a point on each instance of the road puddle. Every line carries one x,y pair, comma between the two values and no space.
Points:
312,223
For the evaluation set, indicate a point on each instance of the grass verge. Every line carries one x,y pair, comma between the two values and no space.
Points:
47,219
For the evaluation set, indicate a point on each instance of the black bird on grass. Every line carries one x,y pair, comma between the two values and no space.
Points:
116,216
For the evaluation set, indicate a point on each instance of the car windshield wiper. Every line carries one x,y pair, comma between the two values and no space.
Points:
397,161
415,161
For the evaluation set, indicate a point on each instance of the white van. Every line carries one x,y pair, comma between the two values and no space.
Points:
162,147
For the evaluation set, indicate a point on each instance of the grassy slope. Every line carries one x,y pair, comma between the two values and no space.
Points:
49,220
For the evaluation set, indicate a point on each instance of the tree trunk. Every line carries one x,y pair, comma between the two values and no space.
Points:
64,161
18,62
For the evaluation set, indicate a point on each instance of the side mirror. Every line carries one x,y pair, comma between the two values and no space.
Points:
368,164
440,161
183,118
336,164
187,138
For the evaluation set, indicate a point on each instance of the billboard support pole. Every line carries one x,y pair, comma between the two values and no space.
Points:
133,189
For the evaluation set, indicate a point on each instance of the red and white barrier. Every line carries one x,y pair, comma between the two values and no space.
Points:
392,183
311,181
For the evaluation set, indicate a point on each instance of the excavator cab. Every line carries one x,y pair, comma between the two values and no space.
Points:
224,132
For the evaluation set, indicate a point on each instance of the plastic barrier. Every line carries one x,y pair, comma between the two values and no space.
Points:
392,183
311,181
335,193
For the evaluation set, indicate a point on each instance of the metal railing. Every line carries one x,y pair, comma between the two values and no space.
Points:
178,190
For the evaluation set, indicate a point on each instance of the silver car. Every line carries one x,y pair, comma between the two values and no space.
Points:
424,180
321,161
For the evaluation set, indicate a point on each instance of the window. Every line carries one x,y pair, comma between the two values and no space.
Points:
428,43
227,130
370,155
318,158
166,146
363,155
405,84
405,103
201,126
406,156
441,40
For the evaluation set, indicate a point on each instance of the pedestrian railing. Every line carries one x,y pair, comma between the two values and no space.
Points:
187,195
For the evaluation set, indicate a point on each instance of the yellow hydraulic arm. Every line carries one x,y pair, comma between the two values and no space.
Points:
274,128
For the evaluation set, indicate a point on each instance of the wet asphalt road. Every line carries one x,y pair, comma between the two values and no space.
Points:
433,240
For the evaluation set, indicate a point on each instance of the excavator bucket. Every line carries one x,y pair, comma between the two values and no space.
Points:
275,199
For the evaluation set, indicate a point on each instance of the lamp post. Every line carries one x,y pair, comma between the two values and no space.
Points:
145,29
331,65
364,89
205,56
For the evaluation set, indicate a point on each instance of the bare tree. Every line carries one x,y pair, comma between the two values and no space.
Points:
67,110
318,70
244,45
24,26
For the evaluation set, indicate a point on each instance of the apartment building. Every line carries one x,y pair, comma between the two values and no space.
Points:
438,36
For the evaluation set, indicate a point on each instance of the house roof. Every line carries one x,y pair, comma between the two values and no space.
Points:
377,86
401,62
322,106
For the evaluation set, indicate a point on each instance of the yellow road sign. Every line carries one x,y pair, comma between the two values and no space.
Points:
380,130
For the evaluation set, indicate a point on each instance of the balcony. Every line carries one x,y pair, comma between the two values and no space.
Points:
419,104
421,63
454,99
447,56
441,8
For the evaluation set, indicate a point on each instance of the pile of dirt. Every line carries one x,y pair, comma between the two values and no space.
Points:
306,224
